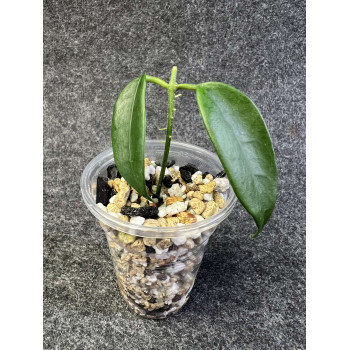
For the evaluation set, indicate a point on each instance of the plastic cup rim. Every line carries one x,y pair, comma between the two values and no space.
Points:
150,231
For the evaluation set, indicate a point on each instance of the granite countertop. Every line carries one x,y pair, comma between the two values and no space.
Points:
249,294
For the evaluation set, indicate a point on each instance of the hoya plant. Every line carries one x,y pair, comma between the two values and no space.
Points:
234,125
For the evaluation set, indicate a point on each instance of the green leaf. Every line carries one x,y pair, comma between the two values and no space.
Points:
242,142
128,134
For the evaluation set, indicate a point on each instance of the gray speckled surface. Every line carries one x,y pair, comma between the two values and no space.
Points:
249,294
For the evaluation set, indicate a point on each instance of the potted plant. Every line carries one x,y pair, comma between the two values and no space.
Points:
158,217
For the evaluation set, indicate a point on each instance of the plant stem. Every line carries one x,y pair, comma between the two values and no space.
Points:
157,81
186,87
171,97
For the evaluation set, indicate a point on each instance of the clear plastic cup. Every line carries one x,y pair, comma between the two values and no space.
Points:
156,284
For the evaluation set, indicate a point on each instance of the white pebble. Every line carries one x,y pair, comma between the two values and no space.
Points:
175,208
222,184
154,292
111,200
150,170
179,240
208,196
151,278
133,280
138,220
199,217
163,195
160,251
207,233
161,212
138,262
179,266
205,181
133,197
176,167
189,244
195,175
197,234
159,169
172,253
176,191
182,251
102,207
173,289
